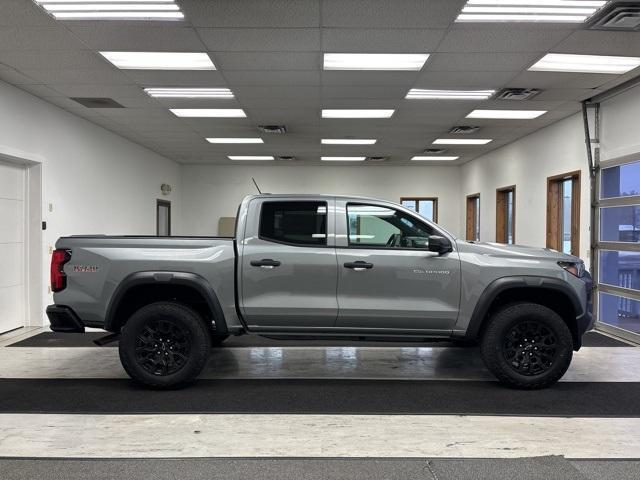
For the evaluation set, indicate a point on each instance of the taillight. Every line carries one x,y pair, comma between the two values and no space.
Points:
58,277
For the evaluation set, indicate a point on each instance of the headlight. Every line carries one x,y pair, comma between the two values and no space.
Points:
574,268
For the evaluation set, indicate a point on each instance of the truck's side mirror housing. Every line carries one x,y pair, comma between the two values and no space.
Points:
439,244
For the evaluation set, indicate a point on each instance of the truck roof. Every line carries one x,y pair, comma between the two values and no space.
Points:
315,195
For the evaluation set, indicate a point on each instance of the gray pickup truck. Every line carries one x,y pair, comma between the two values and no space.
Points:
322,266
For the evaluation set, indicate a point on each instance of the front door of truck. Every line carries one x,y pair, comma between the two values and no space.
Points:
288,271
387,277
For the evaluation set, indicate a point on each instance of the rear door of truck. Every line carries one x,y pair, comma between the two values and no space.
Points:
288,270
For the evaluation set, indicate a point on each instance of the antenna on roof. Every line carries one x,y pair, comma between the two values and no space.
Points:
257,187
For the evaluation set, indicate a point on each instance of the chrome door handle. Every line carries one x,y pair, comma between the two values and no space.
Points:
359,266
265,263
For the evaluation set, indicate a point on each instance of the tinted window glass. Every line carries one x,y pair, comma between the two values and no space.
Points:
620,181
374,226
302,223
620,224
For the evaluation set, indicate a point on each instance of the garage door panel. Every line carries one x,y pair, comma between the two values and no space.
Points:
12,265
11,182
12,221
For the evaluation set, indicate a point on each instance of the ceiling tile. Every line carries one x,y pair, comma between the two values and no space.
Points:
261,77
596,42
127,37
368,40
368,78
252,13
260,39
386,14
396,92
559,80
470,80
507,38
267,60
57,59
480,62
176,78
22,12
37,38
97,90
69,76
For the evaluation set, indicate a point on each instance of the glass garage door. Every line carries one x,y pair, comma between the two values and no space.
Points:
618,252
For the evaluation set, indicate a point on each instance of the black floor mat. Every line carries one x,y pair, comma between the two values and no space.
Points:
570,399
53,339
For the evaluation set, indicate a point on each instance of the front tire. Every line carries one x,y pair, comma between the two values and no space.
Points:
527,346
164,345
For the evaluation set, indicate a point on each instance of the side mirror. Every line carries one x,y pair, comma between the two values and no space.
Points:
439,244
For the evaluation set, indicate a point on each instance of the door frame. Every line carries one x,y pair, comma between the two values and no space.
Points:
34,268
553,219
471,219
501,221
162,203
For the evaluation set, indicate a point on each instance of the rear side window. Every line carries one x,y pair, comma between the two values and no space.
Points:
297,223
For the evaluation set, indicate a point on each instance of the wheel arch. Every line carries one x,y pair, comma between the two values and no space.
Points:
142,288
550,292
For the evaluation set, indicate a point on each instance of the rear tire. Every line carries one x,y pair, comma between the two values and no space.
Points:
164,345
527,346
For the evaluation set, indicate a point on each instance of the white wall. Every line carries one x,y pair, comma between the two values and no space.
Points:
526,163
620,125
211,192
96,181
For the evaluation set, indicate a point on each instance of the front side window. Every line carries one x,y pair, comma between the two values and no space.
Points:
297,223
382,227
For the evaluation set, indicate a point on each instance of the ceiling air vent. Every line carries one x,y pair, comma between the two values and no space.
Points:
272,129
434,151
618,16
518,94
286,158
463,129
376,159
97,102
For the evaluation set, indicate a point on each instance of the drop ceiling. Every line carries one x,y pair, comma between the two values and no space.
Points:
270,54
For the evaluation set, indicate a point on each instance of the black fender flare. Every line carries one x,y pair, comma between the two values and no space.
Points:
191,280
519,282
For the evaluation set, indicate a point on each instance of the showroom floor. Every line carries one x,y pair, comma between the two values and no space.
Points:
267,409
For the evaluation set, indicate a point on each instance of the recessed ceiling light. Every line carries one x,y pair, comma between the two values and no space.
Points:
208,112
563,11
160,60
251,157
419,94
508,114
343,159
234,140
434,158
563,62
462,141
112,9
332,113
348,141
162,92
374,61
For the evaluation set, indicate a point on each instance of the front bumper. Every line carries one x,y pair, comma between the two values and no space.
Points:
64,319
586,321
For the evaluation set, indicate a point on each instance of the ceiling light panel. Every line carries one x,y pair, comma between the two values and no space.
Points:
189,92
462,141
507,114
375,61
433,158
369,113
420,94
112,9
234,140
208,112
160,60
550,11
349,141
343,159
251,157
562,62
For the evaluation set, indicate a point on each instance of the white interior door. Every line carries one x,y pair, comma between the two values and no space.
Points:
12,247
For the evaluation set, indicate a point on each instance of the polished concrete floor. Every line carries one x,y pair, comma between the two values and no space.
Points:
544,437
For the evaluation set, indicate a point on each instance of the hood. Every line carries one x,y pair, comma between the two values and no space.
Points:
514,251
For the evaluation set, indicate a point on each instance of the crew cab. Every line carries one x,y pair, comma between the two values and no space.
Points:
319,266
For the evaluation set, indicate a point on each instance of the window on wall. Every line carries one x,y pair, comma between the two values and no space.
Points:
506,215
618,252
163,218
563,213
425,206
473,217
294,223
373,226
